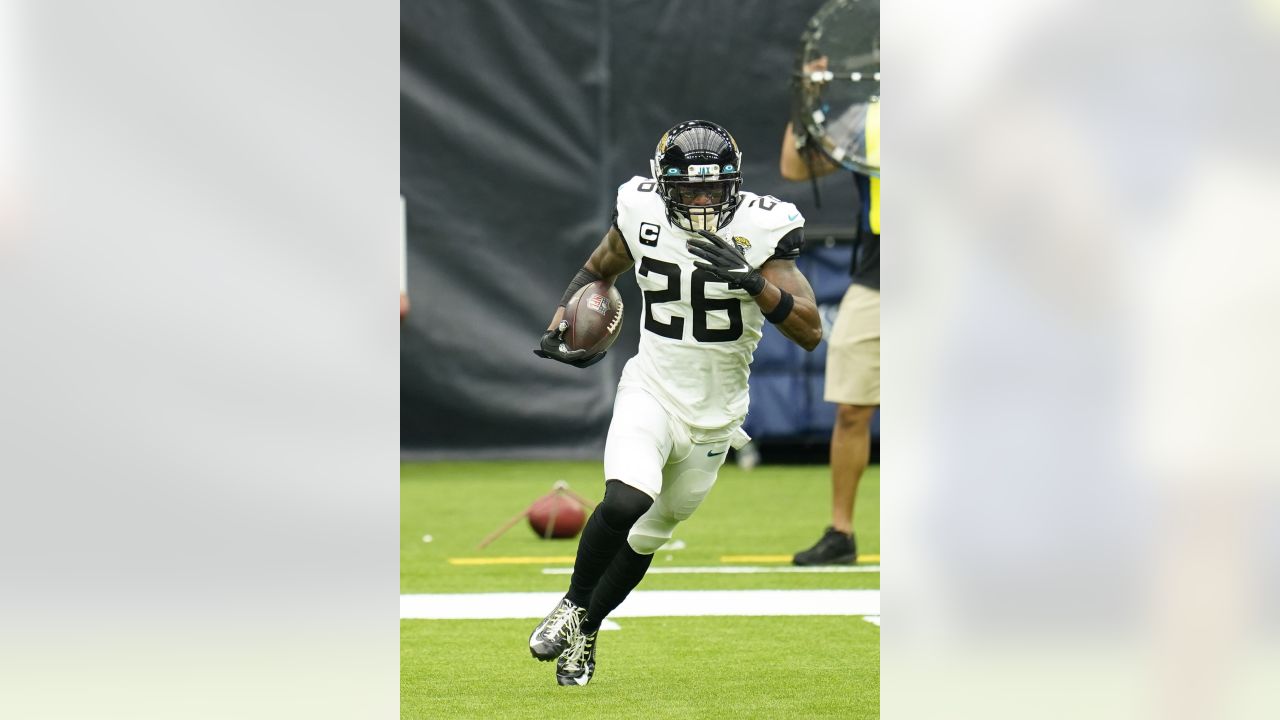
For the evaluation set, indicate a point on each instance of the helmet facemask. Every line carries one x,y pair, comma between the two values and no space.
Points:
700,203
698,170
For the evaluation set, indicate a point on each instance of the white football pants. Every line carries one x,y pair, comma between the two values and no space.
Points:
651,451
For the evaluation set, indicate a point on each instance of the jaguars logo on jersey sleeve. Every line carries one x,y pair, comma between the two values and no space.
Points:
766,228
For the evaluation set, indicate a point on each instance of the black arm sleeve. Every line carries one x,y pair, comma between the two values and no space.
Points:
584,277
789,246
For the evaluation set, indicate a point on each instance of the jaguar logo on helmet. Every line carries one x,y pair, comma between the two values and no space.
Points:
698,168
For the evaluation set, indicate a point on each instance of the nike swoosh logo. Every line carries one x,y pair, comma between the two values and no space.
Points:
713,454
793,217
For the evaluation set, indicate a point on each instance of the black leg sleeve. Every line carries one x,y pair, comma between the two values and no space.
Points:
605,533
624,573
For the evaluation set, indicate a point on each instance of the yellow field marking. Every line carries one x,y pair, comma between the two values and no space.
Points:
781,558
551,560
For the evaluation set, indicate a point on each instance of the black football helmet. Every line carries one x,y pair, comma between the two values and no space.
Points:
698,168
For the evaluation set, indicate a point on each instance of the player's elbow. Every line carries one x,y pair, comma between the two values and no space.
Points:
811,339
792,168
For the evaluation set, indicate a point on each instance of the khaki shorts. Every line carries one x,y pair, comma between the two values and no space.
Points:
853,350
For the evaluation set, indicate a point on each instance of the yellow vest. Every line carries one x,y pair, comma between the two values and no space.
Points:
873,156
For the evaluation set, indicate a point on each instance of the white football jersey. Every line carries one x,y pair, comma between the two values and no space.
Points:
697,335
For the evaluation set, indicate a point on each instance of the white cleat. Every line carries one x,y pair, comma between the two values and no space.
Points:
578,663
552,635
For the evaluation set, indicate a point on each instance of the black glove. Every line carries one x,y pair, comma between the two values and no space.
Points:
552,347
725,262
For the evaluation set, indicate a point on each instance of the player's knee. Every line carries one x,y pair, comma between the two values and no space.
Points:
646,543
623,505
652,532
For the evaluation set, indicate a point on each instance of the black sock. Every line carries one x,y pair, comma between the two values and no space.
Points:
605,533
624,573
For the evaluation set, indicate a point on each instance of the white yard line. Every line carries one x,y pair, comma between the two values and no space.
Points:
739,570
646,603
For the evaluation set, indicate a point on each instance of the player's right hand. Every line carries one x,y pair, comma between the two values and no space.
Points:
724,263
552,347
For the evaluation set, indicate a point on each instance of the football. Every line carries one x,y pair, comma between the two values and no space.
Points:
594,314
556,515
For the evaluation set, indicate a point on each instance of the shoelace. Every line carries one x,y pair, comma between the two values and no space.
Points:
579,647
564,615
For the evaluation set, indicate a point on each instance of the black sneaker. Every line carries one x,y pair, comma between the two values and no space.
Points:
552,635
835,548
578,663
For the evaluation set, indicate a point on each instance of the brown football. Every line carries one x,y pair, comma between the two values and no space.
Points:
595,318
557,516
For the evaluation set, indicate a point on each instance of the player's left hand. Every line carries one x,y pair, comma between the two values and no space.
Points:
552,347
725,262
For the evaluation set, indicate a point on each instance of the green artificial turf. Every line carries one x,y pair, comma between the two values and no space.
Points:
768,511
677,667
688,667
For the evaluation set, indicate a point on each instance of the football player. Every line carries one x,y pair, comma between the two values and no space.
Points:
714,262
